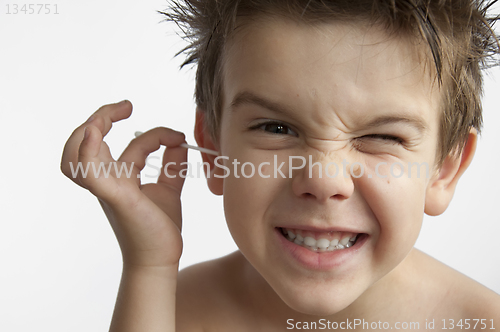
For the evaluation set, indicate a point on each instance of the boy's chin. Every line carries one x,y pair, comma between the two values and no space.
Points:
319,303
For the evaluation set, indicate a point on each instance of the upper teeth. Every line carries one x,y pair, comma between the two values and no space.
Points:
328,242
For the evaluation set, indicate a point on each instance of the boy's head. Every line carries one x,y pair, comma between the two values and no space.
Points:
366,87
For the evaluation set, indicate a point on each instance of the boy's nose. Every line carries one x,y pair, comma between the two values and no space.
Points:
324,179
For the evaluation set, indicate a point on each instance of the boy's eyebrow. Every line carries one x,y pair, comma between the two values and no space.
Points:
414,121
247,97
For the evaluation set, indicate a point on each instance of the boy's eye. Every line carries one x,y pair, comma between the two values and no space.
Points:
384,137
377,143
275,128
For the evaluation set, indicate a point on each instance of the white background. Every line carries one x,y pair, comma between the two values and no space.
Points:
60,261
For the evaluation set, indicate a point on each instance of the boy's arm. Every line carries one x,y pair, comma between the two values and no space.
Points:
146,219
146,300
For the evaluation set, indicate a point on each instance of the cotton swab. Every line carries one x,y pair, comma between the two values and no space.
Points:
187,146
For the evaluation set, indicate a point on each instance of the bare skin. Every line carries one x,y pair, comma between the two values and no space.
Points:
345,112
227,294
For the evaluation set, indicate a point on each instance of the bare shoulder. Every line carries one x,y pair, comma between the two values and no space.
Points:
456,295
206,290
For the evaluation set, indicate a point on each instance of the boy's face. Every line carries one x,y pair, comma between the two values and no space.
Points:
340,94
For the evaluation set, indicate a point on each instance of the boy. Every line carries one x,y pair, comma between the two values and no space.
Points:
332,104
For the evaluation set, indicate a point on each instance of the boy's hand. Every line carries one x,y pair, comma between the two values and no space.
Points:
146,219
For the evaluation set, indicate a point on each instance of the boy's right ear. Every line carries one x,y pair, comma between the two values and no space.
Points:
204,140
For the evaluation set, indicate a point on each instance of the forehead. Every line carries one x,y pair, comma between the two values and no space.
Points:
329,66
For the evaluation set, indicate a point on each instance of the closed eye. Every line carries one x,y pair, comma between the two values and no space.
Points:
378,143
274,127
385,137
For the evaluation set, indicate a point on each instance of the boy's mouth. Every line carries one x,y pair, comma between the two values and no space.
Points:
320,241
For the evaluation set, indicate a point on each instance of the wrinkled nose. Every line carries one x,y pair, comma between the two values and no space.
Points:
323,178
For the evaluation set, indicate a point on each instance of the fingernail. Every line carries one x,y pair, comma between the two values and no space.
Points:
85,133
122,102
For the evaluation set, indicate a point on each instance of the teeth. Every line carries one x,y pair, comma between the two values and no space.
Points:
309,241
323,243
344,240
338,240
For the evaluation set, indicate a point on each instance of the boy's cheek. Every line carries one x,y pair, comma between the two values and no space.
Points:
264,164
397,208
395,199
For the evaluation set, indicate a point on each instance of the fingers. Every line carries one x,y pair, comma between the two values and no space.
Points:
174,160
80,152
91,156
90,144
104,117
140,147
102,120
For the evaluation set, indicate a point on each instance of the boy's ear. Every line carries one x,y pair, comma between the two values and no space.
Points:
204,140
442,186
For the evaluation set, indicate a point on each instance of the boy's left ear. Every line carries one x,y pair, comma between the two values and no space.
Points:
442,186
